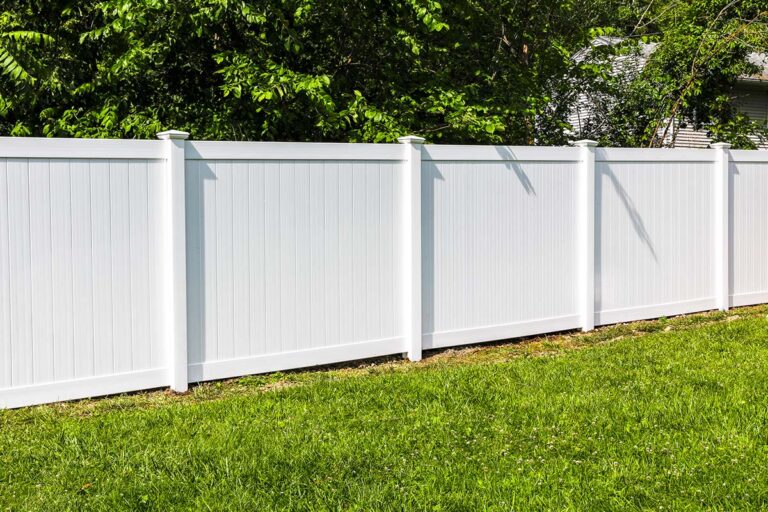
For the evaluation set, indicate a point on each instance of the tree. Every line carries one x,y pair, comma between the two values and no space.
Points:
701,49
472,71
464,71
18,65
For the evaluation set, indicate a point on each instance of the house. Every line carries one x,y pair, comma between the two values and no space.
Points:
750,96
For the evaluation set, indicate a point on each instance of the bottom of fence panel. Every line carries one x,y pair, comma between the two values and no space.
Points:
82,388
748,299
213,370
499,332
615,316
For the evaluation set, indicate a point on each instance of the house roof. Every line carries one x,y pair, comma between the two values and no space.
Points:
760,60
646,49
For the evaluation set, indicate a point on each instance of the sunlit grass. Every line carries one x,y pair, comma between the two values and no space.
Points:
669,414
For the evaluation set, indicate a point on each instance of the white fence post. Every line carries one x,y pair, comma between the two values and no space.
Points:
411,244
174,253
721,218
586,268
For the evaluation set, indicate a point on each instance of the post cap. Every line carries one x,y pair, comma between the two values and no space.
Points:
411,139
721,145
172,134
585,143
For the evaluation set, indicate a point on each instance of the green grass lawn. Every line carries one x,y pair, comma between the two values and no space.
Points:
664,415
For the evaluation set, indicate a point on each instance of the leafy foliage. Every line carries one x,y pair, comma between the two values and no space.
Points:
460,71
19,63
471,71
700,49
20,39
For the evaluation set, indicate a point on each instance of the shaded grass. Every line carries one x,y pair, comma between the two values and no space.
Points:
670,414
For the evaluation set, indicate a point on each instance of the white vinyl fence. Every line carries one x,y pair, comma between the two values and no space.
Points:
128,265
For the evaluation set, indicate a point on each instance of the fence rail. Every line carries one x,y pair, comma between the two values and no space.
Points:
128,265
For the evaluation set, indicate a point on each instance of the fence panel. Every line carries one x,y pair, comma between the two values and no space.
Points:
654,233
78,266
291,261
499,243
749,227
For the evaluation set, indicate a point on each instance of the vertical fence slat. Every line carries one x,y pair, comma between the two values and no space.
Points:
6,340
82,269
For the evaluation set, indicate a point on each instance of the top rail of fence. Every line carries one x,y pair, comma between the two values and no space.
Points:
500,153
654,155
209,150
43,147
52,148
746,155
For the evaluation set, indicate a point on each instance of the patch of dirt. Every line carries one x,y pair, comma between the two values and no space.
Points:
277,386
